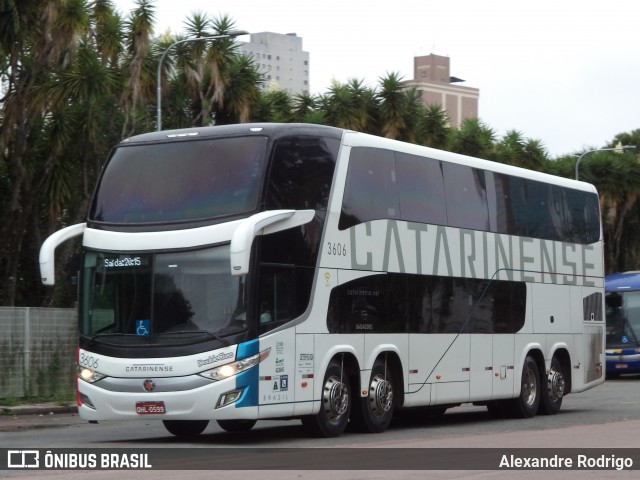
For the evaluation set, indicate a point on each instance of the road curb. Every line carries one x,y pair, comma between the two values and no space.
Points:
37,409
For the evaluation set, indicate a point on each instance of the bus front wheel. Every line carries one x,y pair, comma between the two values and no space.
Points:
335,407
185,428
236,426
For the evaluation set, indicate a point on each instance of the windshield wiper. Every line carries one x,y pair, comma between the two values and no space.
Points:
108,334
224,341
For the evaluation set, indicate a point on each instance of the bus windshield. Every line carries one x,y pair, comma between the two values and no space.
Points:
166,298
623,319
180,181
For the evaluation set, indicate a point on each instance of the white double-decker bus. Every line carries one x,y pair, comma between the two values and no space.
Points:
257,271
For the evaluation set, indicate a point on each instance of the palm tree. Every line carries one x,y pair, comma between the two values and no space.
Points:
200,73
242,92
617,178
350,105
473,138
393,105
433,127
108,32
338,104
218,58
280,106
141,80
29,46
303,106
413,109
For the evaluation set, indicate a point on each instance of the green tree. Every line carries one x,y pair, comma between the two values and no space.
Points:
139,88
35,37
514,149
199,77
473,138
433,127
393,105
242,92
350,106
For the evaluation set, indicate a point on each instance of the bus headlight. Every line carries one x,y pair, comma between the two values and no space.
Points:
234,368
88,375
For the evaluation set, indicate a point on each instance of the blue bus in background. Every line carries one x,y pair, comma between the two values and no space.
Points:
623,323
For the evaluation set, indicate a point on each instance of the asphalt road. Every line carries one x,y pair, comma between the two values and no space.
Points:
605,417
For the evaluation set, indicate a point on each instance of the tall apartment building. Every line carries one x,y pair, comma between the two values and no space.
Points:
281,59
434,83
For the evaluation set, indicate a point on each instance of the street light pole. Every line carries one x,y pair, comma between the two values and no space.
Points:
231,34
615,149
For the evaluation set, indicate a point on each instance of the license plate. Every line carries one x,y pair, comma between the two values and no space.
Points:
150,408
622,365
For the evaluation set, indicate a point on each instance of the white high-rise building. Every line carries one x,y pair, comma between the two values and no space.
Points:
281,59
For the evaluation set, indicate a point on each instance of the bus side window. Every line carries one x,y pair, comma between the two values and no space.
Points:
370,170
466,196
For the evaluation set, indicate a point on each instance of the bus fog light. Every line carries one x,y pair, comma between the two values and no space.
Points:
228,398
86,401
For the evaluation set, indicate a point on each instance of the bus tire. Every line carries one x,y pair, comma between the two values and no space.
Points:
375,411
236,426
498,408
335,408
526,404
185,428
553,388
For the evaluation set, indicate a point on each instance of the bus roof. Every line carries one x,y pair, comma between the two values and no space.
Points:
272,129
351,138
624,281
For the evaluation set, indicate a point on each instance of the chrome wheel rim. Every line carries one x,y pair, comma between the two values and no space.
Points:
335,398
529,387
380,396
555,385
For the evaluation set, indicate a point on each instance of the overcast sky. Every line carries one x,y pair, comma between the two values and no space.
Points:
566,72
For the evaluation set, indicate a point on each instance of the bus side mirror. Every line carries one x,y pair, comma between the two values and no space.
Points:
48,248
262,223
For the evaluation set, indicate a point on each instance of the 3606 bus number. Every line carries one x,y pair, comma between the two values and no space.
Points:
337,249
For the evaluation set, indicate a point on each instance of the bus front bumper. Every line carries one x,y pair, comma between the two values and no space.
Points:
623,360
223,400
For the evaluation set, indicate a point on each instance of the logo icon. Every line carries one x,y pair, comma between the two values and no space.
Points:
142,328
149,385
23,459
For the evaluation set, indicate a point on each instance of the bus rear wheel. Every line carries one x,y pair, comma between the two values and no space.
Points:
375,411
335,407
526,404
185,428
553,388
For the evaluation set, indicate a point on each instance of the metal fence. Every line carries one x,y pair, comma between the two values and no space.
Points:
37,351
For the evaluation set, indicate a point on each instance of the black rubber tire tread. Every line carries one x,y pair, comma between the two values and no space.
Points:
320,425
549,405
236,426
185,428
363,416
521,406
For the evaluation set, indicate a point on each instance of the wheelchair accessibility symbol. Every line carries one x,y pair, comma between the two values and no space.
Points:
142,328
